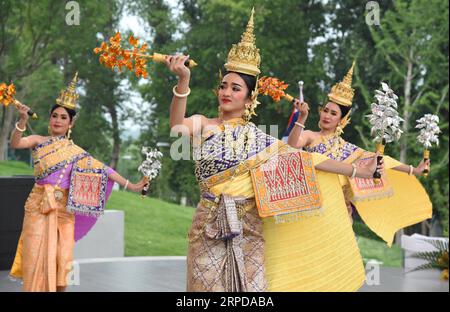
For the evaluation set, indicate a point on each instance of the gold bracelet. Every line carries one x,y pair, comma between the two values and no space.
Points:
411,169
181,95
300,125
21,130
353,172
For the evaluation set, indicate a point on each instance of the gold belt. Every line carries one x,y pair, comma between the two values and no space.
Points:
241,206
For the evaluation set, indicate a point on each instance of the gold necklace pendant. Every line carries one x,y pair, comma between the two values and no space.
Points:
58,194
333,147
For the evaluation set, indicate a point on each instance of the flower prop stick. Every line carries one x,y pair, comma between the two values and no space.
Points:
428,134
385,121
7,97
113,55
150,167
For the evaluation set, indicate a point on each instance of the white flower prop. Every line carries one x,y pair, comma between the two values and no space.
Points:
151,166
384,118
429,130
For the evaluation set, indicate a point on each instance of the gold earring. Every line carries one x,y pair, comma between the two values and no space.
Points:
338,130
49,130
247,114
318,124
69,133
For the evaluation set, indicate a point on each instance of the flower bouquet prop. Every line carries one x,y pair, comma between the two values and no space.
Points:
428,134
385,121
274,88
7,93
135,59
150,167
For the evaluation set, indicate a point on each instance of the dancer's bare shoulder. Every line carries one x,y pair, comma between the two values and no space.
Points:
310,136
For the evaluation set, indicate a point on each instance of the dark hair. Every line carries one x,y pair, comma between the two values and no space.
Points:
71,112
250,81
344,110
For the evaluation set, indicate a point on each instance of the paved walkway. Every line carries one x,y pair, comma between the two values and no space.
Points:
168,274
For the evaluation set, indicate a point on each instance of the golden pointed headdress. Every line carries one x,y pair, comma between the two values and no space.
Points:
244,57
342,93
68,97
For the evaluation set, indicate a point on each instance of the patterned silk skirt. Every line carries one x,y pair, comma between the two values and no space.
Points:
226,247
44,253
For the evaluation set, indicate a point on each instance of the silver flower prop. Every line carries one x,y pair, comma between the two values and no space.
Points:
384,118
429,130
151,166
428,134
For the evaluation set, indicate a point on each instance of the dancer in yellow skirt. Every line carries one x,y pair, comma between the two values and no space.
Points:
267,220
399,201
71,191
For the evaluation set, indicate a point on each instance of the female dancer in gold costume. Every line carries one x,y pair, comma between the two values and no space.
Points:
233,248
71,191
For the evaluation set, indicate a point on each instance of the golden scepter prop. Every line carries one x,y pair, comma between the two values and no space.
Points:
428,134
113,55
7,97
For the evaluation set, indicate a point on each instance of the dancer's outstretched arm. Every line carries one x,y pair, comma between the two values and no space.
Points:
418,171
135,187
337,167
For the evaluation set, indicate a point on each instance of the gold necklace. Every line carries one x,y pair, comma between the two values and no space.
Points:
333,147
240,146
249,136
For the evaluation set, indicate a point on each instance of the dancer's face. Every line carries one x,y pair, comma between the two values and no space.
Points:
59,121
330,116
233,94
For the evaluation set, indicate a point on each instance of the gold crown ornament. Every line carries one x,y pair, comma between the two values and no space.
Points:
342,93
68,97
244,57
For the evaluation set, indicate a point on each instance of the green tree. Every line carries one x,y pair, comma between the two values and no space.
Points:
26,42
413,40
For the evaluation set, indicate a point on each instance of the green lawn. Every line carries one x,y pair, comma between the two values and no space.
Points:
10,168
378,250
152,227
373,247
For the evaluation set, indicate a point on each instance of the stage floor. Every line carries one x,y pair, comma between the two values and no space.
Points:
168,274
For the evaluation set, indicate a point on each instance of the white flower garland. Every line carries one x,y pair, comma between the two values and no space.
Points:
384,118
429,130
151,166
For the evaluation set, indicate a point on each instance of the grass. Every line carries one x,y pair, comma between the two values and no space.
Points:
155,228
377,250
152,227
374,248
10,168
